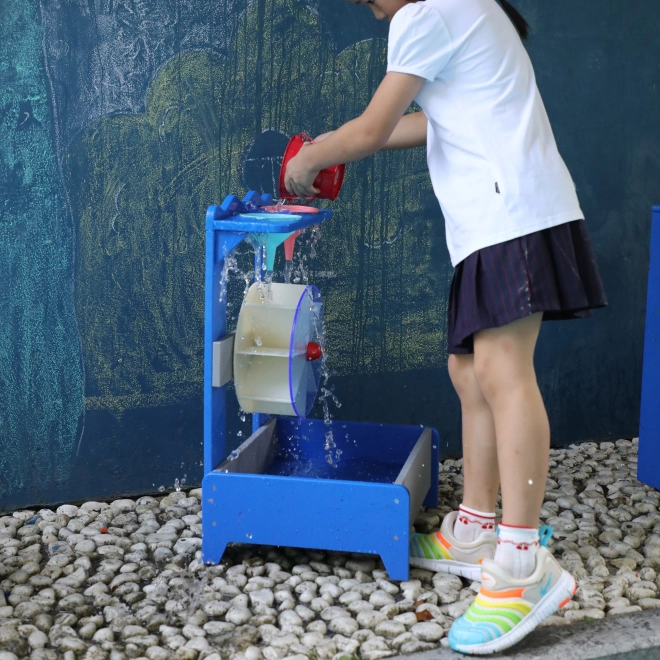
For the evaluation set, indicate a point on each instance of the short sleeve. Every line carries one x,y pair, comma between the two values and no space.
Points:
419,42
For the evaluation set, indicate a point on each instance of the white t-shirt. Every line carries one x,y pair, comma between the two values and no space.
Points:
492,156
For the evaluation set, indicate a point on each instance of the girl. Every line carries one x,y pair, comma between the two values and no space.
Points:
517,239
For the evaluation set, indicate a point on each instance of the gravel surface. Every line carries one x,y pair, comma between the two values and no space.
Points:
125,579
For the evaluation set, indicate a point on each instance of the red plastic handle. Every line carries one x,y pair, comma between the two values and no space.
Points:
314,351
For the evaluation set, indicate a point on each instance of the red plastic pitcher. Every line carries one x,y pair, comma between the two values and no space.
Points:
328,181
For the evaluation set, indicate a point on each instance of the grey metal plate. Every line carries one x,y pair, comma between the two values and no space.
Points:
223,361
416,472
255,454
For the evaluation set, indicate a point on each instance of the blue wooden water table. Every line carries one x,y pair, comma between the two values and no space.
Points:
649,424
295,482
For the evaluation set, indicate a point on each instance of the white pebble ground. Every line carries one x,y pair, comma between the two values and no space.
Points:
125,580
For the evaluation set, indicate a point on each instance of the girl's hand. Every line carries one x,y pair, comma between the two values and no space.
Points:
299,178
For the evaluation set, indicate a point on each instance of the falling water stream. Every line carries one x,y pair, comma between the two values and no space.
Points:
296,272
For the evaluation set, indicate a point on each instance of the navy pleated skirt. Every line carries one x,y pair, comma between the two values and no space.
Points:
553,271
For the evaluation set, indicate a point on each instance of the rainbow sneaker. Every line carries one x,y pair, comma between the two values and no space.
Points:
442,552
506,610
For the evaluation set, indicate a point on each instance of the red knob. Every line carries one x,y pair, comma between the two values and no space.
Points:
314,351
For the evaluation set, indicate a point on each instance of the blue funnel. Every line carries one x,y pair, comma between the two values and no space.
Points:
270,241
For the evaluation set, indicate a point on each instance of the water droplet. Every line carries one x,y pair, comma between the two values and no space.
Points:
258,341
233,456
161,489
242,418
239,434
249,535
177,486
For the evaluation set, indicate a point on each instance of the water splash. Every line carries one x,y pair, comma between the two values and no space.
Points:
265,287
326,396
194,592
307,252
298,271
230,266
177,486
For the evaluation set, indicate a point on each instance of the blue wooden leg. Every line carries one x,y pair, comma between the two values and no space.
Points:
397,560
213,554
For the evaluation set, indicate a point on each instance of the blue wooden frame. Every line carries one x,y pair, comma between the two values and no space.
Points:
338,513
649,425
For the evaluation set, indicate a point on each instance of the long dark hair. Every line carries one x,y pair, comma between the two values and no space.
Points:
516,18
521,25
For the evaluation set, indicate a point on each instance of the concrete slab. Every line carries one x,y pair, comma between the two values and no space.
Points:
627,637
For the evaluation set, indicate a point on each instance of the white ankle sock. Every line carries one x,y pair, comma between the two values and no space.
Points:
516,550
471,524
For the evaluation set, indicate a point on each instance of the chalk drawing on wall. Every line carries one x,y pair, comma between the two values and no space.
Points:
41,378
147,179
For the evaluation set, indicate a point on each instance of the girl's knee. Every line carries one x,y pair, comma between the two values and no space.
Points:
458,367
487,376
499,377
461,372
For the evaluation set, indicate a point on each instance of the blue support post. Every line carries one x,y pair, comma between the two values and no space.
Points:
215,427
649,426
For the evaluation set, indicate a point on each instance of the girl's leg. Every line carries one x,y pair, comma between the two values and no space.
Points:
504,370
481,475
467,535
523,578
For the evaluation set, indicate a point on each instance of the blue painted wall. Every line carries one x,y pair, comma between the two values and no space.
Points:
120,122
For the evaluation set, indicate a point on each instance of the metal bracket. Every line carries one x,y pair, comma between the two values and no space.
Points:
223,361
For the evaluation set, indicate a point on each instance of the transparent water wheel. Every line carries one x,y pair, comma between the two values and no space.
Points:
278,349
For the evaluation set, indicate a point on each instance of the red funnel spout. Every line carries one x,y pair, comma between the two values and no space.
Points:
290,245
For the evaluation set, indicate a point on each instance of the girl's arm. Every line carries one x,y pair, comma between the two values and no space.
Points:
360,137
409,133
